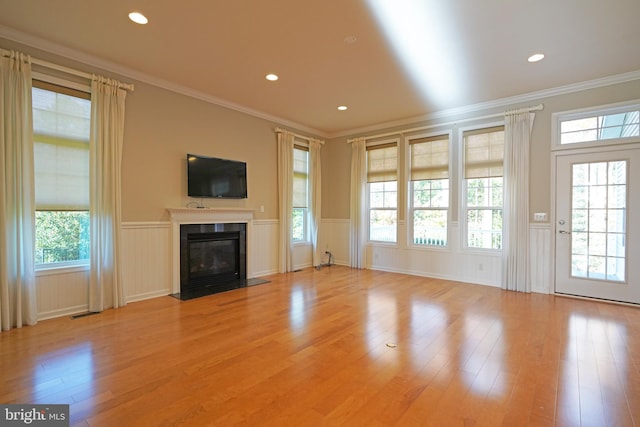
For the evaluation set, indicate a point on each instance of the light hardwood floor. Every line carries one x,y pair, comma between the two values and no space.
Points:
336,347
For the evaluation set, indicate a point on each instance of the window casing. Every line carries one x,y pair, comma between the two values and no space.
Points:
61,126
429,190
601,125
300,213
483,186
382,192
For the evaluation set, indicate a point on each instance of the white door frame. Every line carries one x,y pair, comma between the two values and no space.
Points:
553,191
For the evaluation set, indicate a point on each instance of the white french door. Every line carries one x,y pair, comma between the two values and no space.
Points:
597,229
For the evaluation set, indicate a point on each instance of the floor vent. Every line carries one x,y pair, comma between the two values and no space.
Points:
89,313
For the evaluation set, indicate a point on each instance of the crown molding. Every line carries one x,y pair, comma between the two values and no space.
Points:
97,62
496,103
94,61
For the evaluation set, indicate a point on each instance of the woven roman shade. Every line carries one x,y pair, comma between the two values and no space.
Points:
484,153
429,158
382,163
61,149
300,177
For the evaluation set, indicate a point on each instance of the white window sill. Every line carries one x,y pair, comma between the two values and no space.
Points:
382,243
60,268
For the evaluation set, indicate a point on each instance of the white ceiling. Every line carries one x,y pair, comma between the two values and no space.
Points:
463,52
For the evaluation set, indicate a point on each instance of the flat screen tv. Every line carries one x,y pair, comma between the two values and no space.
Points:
217,178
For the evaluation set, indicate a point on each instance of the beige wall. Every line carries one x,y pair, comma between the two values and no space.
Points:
338,152
162,126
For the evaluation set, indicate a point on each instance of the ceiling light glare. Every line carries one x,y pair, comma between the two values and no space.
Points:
536,57
138,18
342,107
271,77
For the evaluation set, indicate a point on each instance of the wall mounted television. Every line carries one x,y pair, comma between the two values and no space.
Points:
216,178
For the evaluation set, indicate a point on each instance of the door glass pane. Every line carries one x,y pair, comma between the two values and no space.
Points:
598,212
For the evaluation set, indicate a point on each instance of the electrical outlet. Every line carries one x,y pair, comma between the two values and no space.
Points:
540,216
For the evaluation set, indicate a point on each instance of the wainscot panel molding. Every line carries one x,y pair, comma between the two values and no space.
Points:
450,263
302,255
334,237
62,292
264,247
541,258
146,259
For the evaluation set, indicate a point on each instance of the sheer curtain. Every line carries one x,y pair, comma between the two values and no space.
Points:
107,134
315,185
17,233
515,251
358,223
285,198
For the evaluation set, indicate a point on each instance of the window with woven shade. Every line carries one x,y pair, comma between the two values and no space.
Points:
300,194
61,125
483,187
429,189
382,184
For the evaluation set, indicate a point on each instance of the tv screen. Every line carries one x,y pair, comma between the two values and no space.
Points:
213,177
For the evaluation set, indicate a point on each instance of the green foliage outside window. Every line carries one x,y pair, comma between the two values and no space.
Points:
61,236
298,222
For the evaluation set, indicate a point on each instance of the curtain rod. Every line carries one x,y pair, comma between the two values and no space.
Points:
46,64
538,107
308,138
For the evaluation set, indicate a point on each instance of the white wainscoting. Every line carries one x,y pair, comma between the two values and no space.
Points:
146,259
450,263
541,258
62,292
264,247
334,237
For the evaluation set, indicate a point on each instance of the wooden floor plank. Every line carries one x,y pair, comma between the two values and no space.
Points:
336,346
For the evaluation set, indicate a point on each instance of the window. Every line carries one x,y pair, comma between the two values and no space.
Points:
618,123
599,216
429,189
483,187
300,219
382,185
61,126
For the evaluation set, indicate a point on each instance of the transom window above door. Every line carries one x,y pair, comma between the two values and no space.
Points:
598,126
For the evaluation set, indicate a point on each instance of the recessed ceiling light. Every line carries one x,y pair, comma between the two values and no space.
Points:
342,107
138,18
271,77
536,57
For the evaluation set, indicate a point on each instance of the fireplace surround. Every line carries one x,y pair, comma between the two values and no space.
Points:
226,230
212,257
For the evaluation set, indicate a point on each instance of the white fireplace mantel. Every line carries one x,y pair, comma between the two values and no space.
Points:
181,216
210,215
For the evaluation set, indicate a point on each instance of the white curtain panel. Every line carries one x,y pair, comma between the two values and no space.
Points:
515,241
17,219
315,184
358,222
285,199
107,134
